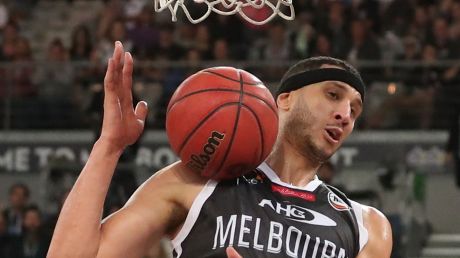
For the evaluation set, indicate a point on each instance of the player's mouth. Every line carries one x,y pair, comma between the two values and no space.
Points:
333,134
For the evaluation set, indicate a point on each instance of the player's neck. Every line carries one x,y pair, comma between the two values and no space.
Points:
291,166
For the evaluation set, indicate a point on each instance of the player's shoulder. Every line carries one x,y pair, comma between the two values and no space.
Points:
374,216
379,232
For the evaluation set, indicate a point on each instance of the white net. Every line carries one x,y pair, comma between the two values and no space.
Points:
281,8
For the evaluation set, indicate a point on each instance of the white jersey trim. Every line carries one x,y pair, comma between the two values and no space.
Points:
192,215
311,186
363,234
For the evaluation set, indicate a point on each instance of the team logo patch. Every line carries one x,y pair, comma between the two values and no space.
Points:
336,202
254,178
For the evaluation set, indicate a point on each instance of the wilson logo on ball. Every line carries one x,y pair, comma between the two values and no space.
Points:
199,162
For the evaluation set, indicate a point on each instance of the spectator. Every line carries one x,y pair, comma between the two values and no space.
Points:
336,27
323,46
10,36
411,53
143,34
230,28
303,37
440,39
112,11
203,41
167,49
221,51
277,47
18,199
55,87
193,58
16,81
56,77
397,16
33,243
20,75
182,34
419,27
417,110
274,49
411,49
132,9
81,50
363,47
81,44
8,243
8,50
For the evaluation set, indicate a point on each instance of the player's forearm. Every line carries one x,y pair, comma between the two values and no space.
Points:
77,232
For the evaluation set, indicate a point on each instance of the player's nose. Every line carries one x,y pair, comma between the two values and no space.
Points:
342,114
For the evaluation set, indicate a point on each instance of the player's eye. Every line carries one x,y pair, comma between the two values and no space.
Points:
355,111
333,95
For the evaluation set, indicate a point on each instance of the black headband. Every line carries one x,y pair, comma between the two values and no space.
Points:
300,80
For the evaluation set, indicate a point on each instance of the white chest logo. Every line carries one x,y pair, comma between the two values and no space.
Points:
336,202
298,213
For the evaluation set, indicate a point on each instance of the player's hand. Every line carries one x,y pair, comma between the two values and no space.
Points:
122,125
232,253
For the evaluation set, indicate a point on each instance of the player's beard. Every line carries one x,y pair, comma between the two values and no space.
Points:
298,129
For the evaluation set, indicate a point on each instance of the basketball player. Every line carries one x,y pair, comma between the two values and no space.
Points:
280,209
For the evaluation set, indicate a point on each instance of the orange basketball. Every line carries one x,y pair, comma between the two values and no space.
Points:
222,122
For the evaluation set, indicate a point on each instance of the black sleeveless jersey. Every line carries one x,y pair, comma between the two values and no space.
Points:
260,216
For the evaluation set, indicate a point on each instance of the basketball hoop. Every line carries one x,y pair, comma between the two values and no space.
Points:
229,7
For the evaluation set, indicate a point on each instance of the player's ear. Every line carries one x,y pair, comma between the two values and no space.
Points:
284,101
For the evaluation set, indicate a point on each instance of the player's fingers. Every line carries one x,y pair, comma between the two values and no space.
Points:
108,79
141,110
232,253
110,95
126,95
117,60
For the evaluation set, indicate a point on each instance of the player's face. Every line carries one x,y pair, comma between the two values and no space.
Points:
322,117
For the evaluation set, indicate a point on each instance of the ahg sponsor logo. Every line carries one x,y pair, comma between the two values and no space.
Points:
299,214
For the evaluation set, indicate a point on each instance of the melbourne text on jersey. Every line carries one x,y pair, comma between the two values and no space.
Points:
274,237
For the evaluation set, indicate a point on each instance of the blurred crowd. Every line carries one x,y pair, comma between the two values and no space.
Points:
405,50
25,232
26,228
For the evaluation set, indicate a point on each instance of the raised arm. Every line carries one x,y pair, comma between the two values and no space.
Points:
78,230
